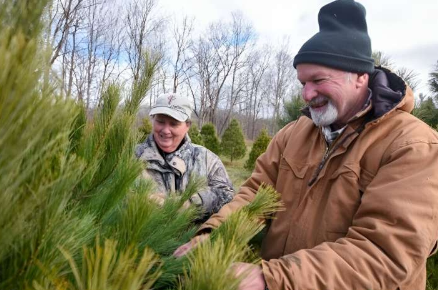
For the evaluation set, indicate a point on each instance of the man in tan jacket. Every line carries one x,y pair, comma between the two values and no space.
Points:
358,174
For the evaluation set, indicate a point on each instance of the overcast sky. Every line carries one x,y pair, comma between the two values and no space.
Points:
405,30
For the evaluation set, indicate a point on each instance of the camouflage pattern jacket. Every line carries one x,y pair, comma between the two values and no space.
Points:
172,172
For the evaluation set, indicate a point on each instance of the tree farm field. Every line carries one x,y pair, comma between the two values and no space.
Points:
236,170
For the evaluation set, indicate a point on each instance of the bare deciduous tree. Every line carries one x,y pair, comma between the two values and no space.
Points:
218,57
242,40
181,63
281,80
258,64
62,16
111,48
144,33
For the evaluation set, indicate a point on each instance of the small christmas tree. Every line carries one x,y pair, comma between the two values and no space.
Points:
211,141
259,146
195,135
233,142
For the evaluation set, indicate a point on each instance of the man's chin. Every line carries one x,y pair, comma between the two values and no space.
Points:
324,115
319,120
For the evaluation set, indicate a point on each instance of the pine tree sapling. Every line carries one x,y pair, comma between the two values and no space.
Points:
291,110
211,141
67,181
259,147
211,262
233,142
195,135
108,267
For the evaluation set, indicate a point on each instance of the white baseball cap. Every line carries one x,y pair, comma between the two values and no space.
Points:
173,105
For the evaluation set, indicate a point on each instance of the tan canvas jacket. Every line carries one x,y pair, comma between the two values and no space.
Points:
369,218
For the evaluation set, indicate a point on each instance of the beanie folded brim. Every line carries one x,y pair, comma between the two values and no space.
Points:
337,61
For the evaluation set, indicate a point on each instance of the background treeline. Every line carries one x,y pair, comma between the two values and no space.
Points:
225,69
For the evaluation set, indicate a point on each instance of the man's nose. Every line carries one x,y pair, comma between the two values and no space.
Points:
309,92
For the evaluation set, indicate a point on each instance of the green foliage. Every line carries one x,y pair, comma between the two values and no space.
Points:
433,81
428,112
432,273
292,110
65,180
195,135
233,141
108,267
145,129
259,147
211,141
210,262
37,173
211,266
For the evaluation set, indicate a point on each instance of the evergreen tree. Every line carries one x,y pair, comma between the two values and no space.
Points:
292,110
230,243
259,147
209,137
66,181
195,135
428,112
433,81
73,212
145,128
233,142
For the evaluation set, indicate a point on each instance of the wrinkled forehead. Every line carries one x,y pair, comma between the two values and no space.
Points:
312,71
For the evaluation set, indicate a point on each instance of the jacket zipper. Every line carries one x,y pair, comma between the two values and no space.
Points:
330,149
321,165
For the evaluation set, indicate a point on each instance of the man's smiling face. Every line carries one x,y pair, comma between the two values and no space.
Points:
333,96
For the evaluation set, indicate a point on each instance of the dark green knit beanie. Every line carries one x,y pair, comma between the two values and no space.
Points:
342,41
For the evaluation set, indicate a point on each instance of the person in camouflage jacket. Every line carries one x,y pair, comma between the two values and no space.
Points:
171,159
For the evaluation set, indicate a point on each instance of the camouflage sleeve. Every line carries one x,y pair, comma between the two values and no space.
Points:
139,148
219,190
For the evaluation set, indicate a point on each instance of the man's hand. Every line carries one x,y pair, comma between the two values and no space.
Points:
158,198
254,279
184,249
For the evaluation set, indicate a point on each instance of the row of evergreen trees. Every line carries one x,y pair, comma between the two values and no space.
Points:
232,144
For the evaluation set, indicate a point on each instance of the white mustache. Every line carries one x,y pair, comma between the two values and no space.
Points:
318,101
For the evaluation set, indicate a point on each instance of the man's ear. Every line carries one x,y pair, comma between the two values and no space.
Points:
362,80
